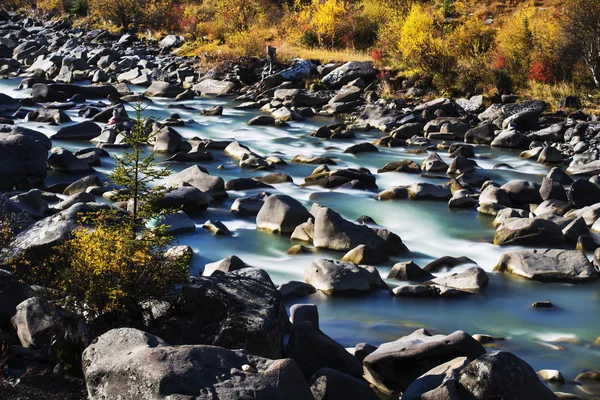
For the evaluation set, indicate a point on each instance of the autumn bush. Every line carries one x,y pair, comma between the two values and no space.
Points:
114,267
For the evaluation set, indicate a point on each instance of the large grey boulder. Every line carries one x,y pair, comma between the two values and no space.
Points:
213,87
185,197
495,375
200,179
281,213
49,115
395,365
129,364
434,378
472,280
171,41
548,265
349,72
63,160
86,130
313,350
22,159
237,310
416,191
332,231
529,232
163,89
39,324
341,277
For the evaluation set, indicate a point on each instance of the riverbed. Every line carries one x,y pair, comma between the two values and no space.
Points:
561,338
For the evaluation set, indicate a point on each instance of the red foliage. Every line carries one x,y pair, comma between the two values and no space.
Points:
499,62
376,55
540,71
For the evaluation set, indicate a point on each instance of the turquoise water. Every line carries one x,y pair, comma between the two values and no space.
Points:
562,338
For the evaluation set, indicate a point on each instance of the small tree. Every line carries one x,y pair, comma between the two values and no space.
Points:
135,172
582,26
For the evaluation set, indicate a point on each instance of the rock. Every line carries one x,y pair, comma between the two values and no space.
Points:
495,195
522,192
304,312
177,223
583,193
22,158
486,378
337,277
575,229
82,197
217,228
250,205
305,231
552,133
461,165
434,163
542,304
86,130
590,168
49,115
33,199
462,199
212,111
167,140
349,72
62,160
294,289
332,231
551,189
395,365
200,179
550,155
262,120
472,280
412,291
482,134
163,89
304,159
13,291
150,369
281,213
551,375
401,166
40,324
548,265
361,148
409,271
213,87
185,197
313,350
82,184
331,384
529,232
171,41
434,378
560,176
510,139
590,213
366,255
236,310
416,191
228,264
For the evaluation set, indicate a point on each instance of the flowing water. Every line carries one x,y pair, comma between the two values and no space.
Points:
561,338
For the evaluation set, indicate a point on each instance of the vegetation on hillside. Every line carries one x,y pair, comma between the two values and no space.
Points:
465,47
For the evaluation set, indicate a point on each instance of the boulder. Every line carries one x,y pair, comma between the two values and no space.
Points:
548,265
185,197
529,232
171,41
434,163
49,115
433,378
294,289
82,184
366,255
583,193
150,369
13,291
416,191
237,310
249,205
86,130
228,264
395,365
22,159
62,160
281,213
349,72
331,384
200,179
522,192
163,89
338,277
472,280
409,271
313,350
482,134
213,87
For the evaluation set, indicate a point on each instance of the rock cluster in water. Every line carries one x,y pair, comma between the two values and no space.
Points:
227,335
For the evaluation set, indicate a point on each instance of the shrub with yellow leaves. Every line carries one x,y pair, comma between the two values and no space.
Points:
114,267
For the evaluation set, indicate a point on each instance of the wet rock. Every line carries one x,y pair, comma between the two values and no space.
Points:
529,232
236,310
409,271
549,265
305,159
509,139
62,160
434,163
401,166
262,120
228,264
217,228
144,363
395,365
551,375
185,197
434,378
281,213
551,189
522,192
294,289
365,255
416,191
462,199
200,179
337,277
482,134
249,205
472,280
212,111
447,263
583,193
176,223
163,89
304,312
361,148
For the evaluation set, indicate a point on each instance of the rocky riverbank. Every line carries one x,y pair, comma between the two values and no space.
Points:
227,334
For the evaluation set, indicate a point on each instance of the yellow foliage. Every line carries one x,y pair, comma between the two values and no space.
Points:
114,268
327,20
54,7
